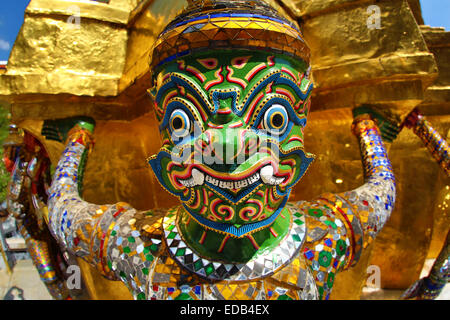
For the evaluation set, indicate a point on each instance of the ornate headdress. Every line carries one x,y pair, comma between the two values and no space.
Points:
232,24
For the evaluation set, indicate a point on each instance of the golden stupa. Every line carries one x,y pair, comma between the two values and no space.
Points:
92,58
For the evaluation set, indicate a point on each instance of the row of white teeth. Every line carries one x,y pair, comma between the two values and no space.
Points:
265,174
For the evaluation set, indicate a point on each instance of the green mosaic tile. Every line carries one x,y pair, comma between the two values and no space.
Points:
184,296
141,296
209,269
315,212
331,224
180,252
330,280
341,247
171,235
198,265
149,257
325,258
320,289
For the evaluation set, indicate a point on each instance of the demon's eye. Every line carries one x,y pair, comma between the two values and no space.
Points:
275,119
179,123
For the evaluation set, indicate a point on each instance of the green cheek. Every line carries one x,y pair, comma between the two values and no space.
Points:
293,140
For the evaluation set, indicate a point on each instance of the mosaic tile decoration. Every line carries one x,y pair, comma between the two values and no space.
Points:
435,143
228,24
263,265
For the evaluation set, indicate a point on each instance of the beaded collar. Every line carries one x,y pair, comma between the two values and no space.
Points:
264,264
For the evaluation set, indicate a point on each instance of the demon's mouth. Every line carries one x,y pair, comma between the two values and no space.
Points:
182,178
265,173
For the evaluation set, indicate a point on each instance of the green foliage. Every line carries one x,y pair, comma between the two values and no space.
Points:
4,175
4,179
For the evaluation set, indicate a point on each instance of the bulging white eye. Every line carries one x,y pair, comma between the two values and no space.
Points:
179,124
275,119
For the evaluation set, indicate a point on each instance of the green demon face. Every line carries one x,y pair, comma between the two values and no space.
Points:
232,128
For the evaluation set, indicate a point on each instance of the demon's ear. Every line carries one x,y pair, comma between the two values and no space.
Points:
306,159
159,163
152,92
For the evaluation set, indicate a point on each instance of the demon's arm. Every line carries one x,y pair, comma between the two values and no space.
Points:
104,235
431,286
25,200
341,225
435,143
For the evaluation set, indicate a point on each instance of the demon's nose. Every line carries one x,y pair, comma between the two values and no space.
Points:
225,149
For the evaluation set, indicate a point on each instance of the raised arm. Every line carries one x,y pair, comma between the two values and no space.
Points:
374,201
103,235
429,287
435,143
340,225
355,217
25,200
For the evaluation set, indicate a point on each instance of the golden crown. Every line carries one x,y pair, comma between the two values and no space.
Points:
221,24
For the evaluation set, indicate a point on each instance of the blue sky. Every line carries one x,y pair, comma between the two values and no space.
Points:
435,13
11,19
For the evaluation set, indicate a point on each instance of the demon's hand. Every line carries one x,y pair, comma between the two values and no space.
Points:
59,129
414,291
387,123
412,118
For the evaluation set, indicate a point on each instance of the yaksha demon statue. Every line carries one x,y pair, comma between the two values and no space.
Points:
429,287
232,94
27,161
